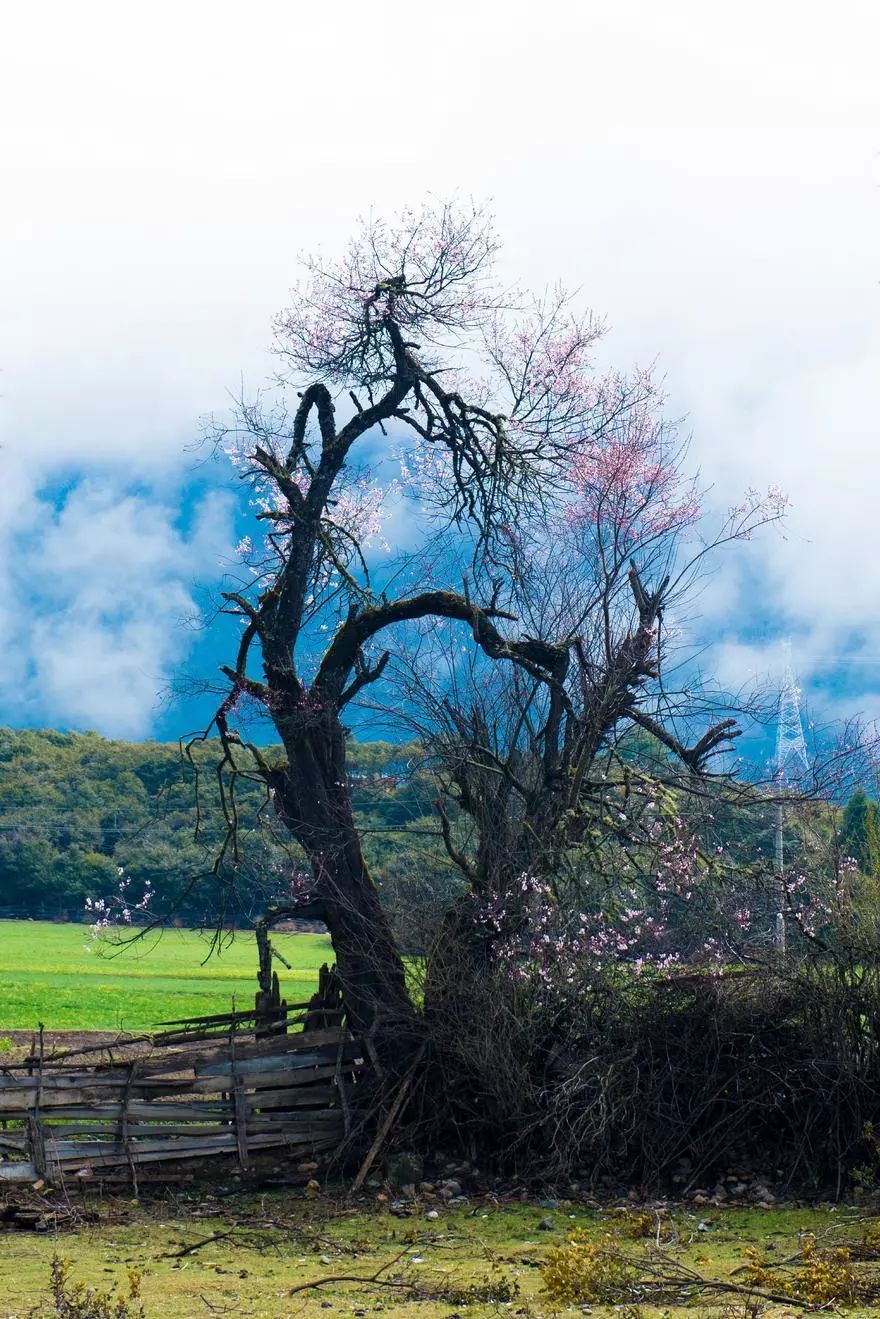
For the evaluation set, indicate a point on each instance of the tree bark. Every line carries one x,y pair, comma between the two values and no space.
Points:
313,799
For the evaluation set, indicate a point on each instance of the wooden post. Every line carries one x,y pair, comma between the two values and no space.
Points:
239,1108
269,1007
241,1138
34,1126
124,1134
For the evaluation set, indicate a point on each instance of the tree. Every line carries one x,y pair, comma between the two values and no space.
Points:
860,832
535,480
573,776
392,326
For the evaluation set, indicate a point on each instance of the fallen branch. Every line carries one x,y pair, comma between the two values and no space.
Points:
667,1276
372,1279
197,1245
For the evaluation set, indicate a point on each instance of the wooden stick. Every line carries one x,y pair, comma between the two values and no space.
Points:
386,1126
371,1278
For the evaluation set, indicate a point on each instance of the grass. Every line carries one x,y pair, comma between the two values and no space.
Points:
57,975
279,1241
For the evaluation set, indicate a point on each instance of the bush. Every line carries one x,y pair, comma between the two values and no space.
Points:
584,1271
685,1074
74,1300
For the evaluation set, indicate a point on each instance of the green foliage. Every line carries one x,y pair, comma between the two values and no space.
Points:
860,832
75,807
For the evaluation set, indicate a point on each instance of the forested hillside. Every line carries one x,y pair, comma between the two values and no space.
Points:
76,807
78,811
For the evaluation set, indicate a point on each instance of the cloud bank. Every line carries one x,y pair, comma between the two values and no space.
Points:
98,603
707,176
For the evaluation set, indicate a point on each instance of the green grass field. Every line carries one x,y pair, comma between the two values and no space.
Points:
265,1246
48,974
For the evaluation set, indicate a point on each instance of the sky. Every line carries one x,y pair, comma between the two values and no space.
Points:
705,174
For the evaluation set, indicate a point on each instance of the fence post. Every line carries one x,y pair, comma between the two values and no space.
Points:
239,1107
35,1133
124,1136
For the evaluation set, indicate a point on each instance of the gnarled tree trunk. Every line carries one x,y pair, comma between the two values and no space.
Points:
313,799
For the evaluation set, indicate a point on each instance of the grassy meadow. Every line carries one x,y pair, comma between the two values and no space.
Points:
483,1258
59,975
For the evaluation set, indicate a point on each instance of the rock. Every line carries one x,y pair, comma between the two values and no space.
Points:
307,1167
549,1204
719,1193
426,1188
408,1192
432,1215
449,1189
545,1225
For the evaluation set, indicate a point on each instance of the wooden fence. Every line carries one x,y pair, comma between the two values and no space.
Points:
233,1084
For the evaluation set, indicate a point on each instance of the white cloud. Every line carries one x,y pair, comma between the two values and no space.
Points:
706,174
99,605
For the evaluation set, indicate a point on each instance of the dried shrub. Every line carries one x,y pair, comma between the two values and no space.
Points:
640,1225
775,1067
818,1276
74,1300
585,1271
825,1276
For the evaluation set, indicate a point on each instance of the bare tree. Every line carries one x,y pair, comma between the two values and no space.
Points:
492,398
539,766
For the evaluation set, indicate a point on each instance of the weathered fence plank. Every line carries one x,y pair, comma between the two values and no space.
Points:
197,1095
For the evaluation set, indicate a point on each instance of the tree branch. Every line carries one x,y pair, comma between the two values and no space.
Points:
695,757
541,658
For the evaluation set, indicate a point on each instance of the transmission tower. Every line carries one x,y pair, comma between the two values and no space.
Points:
791,761
791,765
